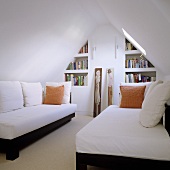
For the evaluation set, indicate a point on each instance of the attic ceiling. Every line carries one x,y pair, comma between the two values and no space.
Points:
148,22
39,30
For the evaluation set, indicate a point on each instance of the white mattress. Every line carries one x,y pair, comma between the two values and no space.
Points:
27,119
117,131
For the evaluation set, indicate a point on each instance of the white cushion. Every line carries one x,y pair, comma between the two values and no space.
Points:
33,93
67,89
11,97
151,87
153,106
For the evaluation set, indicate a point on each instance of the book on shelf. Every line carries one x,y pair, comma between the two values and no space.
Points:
84,49
138,77
129,45
86,80
78,65
136,63
72,79
77,80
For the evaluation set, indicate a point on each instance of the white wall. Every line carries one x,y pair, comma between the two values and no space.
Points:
103,38
106,56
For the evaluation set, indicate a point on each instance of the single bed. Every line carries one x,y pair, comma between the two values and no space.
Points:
21,127
116,139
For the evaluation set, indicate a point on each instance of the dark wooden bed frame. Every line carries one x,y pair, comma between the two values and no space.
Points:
12,147
117,162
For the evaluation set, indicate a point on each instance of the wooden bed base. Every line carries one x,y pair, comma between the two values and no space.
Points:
117,162
12,147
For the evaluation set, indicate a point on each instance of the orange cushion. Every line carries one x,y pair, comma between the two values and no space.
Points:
132,96
54,95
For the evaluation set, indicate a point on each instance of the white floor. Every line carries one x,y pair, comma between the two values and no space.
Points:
56,151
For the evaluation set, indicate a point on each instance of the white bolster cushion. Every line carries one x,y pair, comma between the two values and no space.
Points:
33,93
153,106
11,97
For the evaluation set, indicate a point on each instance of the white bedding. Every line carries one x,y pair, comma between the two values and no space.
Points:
27,119
117,131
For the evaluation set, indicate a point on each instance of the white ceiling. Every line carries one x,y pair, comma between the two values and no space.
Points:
148,22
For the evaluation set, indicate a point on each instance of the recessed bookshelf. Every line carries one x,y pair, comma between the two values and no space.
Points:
137,67
77,70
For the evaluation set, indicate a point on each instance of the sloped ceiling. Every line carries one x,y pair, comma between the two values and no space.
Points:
38,38
148,22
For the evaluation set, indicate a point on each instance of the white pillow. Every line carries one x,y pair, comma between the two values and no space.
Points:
151,87
67,89
11,97
33,93
153,106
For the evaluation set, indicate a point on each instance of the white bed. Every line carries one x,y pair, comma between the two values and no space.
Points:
117,132
19,122
20,127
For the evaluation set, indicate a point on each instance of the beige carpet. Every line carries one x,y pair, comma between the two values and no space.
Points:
56,151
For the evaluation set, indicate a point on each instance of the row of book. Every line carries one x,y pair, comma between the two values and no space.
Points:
129,46
136,63
84,49
78,65
137,77
77,80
